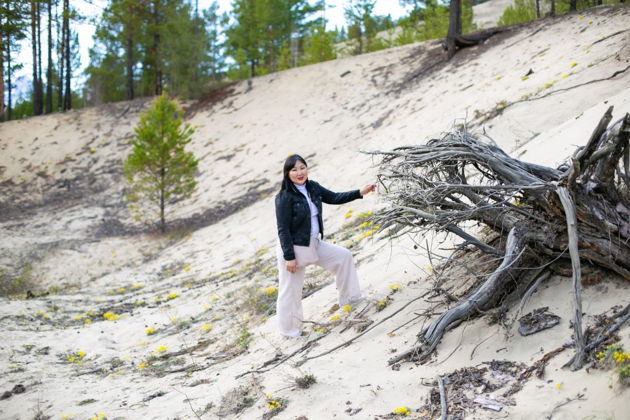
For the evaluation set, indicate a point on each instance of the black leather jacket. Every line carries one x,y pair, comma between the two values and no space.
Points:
293,215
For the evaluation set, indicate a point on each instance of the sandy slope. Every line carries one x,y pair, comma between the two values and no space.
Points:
63,214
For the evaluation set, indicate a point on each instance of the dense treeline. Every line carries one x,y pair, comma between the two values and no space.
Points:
144,47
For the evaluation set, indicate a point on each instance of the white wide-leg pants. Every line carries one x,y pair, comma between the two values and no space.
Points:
338,261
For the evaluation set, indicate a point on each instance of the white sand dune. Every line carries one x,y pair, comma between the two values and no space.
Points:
64,215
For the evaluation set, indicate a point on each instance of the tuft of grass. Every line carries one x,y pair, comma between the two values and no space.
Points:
237,400
245,337
260,301
305,381
18,285
88,401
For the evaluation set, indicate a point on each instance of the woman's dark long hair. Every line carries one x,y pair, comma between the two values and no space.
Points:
288,165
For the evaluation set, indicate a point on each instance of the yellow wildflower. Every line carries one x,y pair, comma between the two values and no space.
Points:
346,308
87,321
171,296
273,404
574,64
270,290
381,302
217,317
187,268
335,317
403,411
558,385
213,298
262,251
110,316
150,331
121,290
206,327
395,287
78,317
161,349
348,214
137,286
498,78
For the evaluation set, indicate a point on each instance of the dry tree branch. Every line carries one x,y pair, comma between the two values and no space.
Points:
572,231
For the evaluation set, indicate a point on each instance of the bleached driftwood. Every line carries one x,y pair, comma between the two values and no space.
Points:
582,207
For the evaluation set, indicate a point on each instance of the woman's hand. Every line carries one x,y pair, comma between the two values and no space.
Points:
368,188
291,266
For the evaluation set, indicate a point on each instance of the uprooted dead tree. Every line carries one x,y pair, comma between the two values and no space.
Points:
578,212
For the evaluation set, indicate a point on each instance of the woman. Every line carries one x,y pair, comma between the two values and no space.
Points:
300,224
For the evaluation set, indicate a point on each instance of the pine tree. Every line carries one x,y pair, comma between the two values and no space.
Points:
13,29
319,46
360,23
158,169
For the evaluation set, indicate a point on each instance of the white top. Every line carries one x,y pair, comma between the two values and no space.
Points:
313,207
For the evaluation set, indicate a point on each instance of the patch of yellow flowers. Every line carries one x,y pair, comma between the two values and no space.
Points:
273,404
395,287
270,290
403,411
111,316
618,356
76,357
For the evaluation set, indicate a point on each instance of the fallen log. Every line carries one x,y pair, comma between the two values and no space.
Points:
578,212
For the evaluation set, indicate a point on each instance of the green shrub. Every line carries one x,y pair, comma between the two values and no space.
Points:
520,11
17,285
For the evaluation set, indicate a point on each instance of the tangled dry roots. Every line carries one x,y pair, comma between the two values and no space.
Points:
582,207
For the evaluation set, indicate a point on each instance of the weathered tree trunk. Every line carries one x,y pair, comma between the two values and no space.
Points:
454,27
37,99
49,77
40,79
9,105
455,40
130,91
2,48
583,207
156,48
61,39
67,97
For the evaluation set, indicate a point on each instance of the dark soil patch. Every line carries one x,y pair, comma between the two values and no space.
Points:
112,226
214,97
